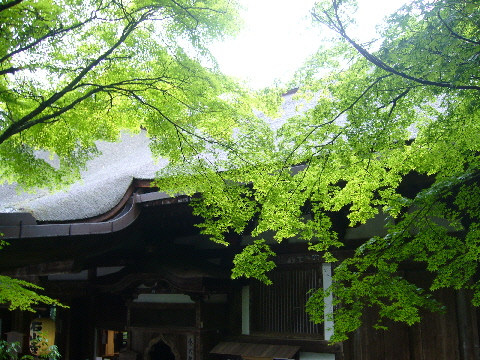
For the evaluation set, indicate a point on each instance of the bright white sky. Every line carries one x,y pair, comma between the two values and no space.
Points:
278,37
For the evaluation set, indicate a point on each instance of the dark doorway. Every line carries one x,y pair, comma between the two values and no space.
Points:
161,351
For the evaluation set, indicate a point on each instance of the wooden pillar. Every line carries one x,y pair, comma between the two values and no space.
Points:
467,327
198,326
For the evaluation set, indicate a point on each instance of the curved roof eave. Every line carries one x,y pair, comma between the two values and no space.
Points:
108,178
23,225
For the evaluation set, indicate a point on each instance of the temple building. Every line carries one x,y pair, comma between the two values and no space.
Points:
142,283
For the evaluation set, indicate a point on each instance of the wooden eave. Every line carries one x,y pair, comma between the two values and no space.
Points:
23,225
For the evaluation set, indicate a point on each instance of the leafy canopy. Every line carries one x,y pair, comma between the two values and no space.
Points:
409,106
75,72
22,295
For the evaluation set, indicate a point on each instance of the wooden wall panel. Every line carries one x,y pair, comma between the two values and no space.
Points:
368,343
436,336
453,334
396,341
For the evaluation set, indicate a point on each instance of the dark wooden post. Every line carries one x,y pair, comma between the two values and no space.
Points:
467,327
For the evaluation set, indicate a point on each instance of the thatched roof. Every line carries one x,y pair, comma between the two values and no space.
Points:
107,177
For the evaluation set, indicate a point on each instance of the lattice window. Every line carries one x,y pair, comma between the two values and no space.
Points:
280,307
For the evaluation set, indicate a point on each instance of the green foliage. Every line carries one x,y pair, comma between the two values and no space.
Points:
76,72
73,73
409,107
20,294
254,262
42,349
9,351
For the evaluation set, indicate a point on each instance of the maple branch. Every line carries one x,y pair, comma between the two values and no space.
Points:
10,4
338,27
455,34
28,120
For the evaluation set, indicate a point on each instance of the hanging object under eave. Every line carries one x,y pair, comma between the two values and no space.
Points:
42,335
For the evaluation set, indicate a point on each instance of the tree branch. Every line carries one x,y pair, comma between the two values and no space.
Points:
42,38
10,70
455,34
338,28
210,141
23,123
10,4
